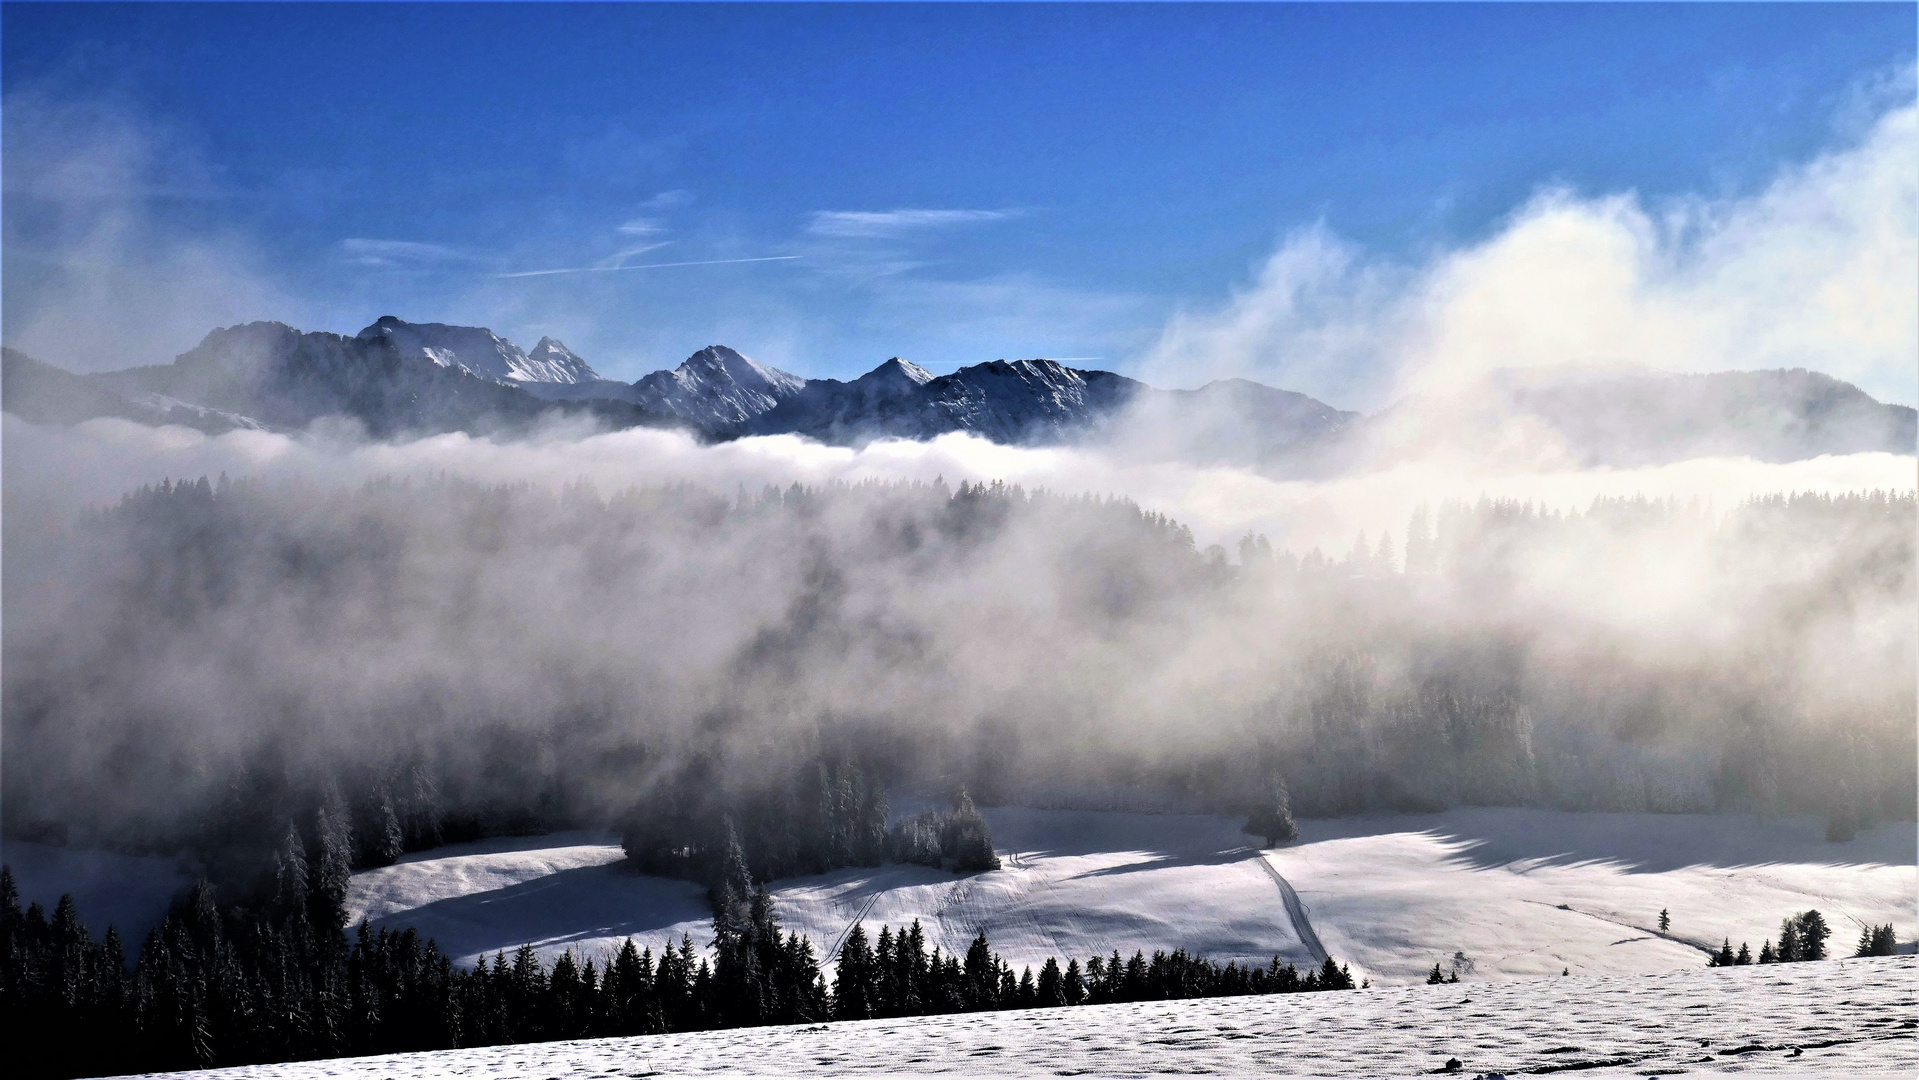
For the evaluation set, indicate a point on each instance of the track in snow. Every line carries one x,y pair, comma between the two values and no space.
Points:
1295,910
833,953
1846,1018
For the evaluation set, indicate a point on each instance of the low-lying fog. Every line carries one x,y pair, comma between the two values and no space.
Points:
537,631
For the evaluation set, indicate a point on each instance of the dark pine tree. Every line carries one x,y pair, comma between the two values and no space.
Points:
853,984
388,838
328,875
1813,933
1074,984
1052,985
1788,951
982,976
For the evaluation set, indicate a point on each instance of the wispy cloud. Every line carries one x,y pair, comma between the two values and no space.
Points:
648,222
370,252
101,270
667,200
619,258
643,266
891,223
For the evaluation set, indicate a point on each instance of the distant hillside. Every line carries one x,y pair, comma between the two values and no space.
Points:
1625,417
38,391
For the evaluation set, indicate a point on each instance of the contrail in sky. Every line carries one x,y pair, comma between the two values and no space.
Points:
643,266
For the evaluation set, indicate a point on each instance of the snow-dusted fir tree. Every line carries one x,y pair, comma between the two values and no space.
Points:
1272,818
965,838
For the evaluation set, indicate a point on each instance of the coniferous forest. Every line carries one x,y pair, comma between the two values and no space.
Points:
204,665
217,985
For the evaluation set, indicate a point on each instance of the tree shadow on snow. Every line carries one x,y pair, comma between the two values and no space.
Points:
1167,862
585,903
1489,837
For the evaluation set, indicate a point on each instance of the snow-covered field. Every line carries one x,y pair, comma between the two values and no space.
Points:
1529,892
1519,893
1848,1018
1074,884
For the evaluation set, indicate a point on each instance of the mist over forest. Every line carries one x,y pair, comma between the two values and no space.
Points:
200,663
1621,545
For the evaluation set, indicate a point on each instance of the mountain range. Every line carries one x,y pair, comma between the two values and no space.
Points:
396,378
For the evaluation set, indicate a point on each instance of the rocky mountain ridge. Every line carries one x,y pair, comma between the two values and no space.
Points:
398,378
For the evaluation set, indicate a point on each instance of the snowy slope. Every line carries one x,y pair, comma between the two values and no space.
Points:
552,356
1391,896
560,892
1530,892
1850,1018
1075,883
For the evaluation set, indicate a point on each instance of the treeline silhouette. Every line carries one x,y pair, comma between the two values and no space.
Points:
215,985
824,818
1803,937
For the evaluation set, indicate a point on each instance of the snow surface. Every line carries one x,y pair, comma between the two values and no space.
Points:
1532,892
1390,896
1075,883
1848,1018
1518,893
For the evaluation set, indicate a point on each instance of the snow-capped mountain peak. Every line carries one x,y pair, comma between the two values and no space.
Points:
718,361
551,356
480,352
897,371
717,387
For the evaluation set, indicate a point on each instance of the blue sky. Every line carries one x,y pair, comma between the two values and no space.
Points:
947,183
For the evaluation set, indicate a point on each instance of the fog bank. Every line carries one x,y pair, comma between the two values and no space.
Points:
61,469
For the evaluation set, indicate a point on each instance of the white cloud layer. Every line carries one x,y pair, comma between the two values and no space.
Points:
96,462
1819,270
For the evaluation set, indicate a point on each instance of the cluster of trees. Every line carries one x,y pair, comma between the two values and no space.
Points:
1801,937
1877,941
216,985
823,817
896,976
